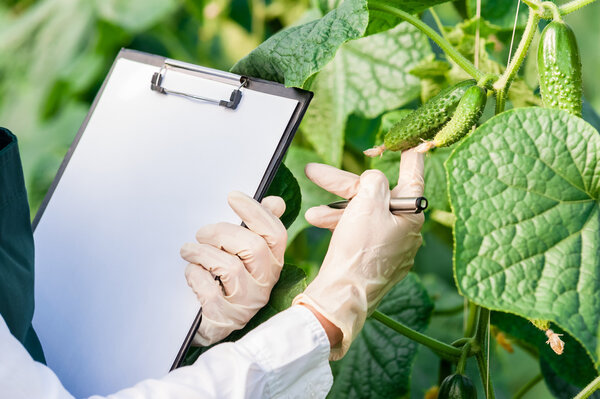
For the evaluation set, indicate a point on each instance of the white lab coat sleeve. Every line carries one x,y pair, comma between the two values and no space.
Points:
285,357
21,377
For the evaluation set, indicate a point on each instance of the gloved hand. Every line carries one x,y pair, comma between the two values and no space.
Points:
247,261
370,250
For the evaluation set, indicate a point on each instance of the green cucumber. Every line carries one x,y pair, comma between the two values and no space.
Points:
457,386
467,114
559,68
424,122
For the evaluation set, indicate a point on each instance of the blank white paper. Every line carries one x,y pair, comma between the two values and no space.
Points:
112,304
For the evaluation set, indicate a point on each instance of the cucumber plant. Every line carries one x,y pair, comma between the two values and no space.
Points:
511,179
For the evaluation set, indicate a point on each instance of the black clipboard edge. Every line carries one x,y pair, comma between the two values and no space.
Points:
302,96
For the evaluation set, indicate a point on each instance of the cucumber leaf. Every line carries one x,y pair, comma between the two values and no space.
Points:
380,351
366,77
525,188
286,186
295,54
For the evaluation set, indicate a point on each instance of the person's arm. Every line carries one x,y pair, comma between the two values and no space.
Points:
16,247
285,356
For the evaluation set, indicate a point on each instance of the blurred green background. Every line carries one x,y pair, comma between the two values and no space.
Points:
54,55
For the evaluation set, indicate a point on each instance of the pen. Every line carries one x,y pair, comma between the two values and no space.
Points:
397,205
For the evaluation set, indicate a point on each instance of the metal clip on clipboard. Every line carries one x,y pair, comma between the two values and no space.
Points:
232,103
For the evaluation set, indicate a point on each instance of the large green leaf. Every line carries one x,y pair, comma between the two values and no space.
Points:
574,366
524,188
295,54
312,195
367,77
379,362
286,186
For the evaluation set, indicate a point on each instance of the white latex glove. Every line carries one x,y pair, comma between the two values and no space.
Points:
247,261
370,250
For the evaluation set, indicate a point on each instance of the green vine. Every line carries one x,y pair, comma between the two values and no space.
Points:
503,83
589,389
442,349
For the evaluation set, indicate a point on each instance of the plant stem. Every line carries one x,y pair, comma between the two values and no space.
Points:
471,320
589,389
527,387
501,100
513,67
459,343
573,6
433,35
481,335
482,324
482,366
443,350
462,362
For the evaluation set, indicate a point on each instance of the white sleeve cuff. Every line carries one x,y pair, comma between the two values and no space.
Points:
292,349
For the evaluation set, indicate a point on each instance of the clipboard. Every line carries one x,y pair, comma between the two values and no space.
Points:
162,144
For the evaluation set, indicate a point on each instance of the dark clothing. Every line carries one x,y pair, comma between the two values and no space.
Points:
16,248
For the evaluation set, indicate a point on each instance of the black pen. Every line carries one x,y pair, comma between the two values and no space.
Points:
397,205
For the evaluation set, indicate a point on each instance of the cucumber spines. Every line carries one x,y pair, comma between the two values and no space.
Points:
559,68
467,114
423,123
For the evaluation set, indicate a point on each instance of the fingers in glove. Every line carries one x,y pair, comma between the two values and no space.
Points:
236,280
260,220
204,285
410,179
323,216
334,180
274,204
250,247
373,193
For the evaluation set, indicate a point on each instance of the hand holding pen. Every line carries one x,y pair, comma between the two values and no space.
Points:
405,198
